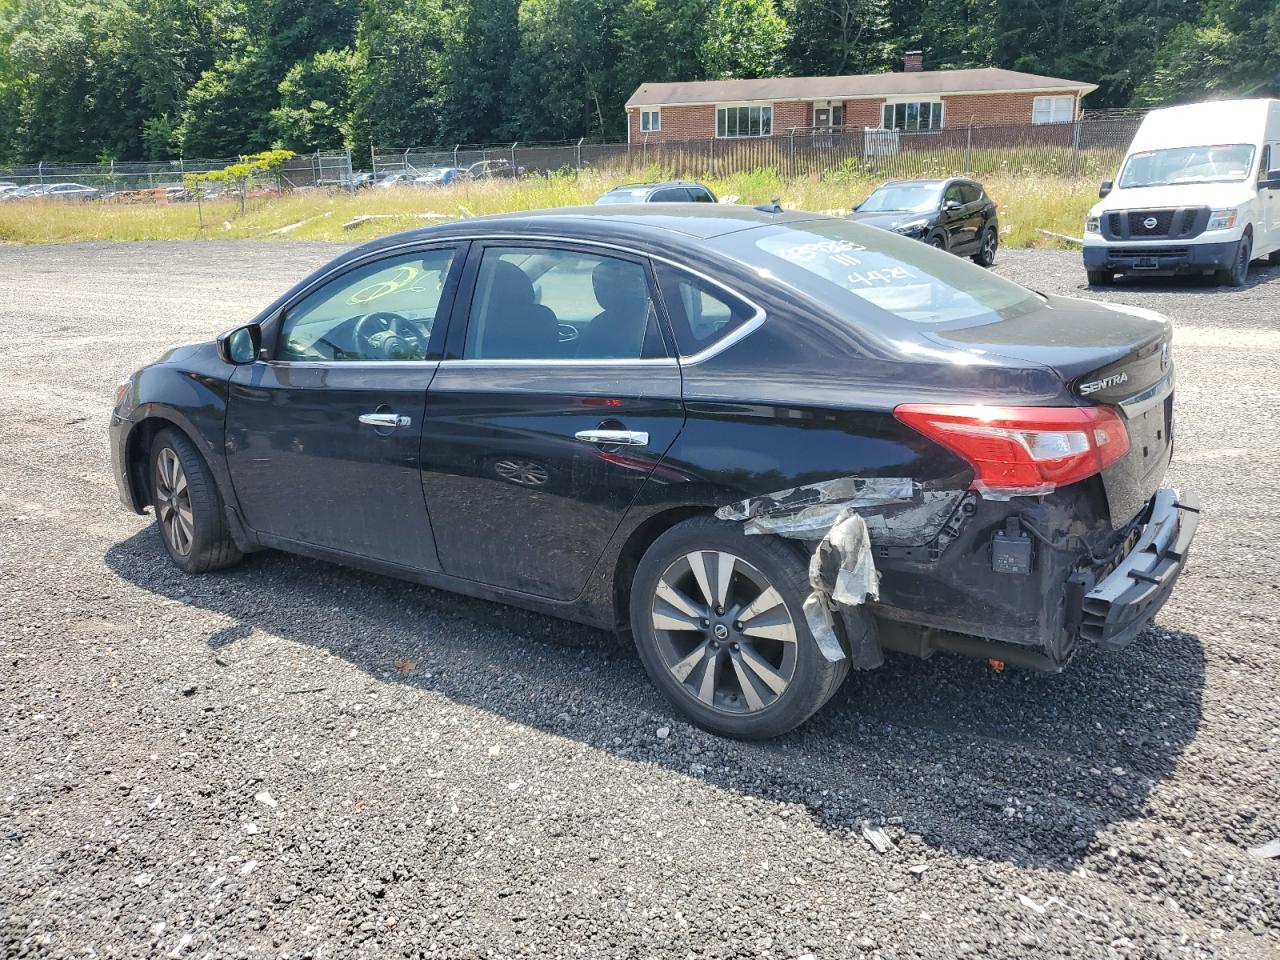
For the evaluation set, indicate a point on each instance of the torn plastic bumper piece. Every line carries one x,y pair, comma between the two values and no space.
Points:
1118,607
842,571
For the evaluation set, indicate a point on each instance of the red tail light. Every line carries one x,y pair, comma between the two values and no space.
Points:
1023,450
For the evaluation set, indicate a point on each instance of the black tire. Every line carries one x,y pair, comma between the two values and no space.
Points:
1273,258
986,254
1100,278
937,241
777,563
1238,274
193,516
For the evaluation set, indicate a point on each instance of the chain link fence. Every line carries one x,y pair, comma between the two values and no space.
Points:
1089,148
163,179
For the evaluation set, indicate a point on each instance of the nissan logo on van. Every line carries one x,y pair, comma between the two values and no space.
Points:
1150,223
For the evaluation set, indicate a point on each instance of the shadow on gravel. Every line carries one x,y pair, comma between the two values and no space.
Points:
1260,272
1017,767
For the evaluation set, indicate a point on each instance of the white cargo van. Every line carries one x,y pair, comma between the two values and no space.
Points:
1198,192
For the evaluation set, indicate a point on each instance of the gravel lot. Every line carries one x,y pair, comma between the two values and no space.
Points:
292,759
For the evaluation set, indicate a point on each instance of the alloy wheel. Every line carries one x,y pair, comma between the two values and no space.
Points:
989,247
724,632
173,502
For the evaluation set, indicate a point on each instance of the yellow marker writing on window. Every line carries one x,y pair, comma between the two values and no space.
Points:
399,279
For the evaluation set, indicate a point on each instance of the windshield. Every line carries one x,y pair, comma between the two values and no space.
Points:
624,196
865,274
913,198
1218,164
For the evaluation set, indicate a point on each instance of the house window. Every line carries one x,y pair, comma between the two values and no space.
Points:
744,121
650,121
828,115
922,115
1053,109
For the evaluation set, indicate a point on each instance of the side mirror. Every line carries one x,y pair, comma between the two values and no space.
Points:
1273,178
240,345
1104,189
952,205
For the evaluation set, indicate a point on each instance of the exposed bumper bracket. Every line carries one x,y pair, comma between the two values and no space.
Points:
1116,610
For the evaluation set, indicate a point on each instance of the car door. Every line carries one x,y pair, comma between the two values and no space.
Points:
1269,199
322,436
558,396
954,219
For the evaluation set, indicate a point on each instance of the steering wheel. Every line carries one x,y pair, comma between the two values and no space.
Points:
388,336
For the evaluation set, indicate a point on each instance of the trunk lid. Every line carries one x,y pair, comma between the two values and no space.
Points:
1106,354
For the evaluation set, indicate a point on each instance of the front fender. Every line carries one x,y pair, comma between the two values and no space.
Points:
190,395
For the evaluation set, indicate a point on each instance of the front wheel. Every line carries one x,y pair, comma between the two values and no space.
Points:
718,621
1238,273
986,254
188,507
937,242
1100,278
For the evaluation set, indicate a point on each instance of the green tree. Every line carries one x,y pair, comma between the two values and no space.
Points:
315,102
228,110
833,37
397,76
744,38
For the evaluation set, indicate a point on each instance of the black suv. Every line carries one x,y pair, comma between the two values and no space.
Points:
672,191
954,215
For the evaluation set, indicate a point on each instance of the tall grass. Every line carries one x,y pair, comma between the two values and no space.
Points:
1026,202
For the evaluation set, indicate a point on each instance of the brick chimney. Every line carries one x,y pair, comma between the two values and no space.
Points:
913,61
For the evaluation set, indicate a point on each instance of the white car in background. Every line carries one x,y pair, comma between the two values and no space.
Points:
1198,192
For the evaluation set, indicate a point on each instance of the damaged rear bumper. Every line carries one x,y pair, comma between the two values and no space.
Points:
1116,609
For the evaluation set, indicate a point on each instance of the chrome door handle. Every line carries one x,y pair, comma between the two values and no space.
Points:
385,420
612,438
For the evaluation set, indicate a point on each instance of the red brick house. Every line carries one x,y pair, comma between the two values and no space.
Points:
913,100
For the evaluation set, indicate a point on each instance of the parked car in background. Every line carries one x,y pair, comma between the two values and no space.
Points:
441,176
71,191
366,179
487,169
8,188
670,191
766,445
1198,192
400,179
953,214
28,192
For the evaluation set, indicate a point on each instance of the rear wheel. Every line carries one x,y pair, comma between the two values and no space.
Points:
986,254
188,507
1238,273
718,621
1100,278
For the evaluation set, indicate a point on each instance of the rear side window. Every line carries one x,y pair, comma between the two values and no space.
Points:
670,195
535,303
701,314
701,196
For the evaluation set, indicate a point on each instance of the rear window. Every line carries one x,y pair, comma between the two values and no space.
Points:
874,275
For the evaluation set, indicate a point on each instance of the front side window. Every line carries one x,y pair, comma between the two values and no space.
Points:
874,276
744,122
535,303
924,115
1217,164
650,121
701,314
1053,109
383,310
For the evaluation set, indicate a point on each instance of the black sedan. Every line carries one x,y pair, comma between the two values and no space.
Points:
768,446
954,215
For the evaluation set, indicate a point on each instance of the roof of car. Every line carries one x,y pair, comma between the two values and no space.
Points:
699,221
656,185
